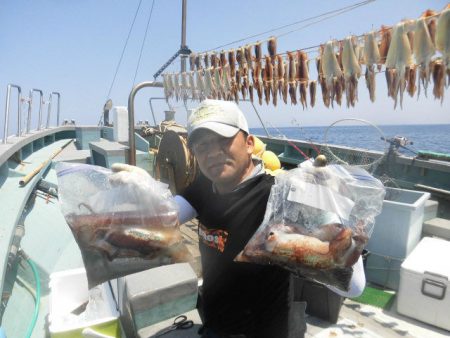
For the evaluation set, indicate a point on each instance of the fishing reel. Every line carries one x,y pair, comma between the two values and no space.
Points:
397,142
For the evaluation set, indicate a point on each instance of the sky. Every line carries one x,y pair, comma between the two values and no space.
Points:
73,47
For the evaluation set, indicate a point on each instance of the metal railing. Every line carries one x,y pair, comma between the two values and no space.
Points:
19,109
131,141
57,107
30,108
29,100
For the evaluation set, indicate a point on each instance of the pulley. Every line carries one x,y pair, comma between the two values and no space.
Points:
175,164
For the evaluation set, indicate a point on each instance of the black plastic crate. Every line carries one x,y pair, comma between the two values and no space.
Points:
320,301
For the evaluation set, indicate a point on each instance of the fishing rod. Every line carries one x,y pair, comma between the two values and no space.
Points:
289,141
297,124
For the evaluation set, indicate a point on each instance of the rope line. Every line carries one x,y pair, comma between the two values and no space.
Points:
123,50
350,7
143,43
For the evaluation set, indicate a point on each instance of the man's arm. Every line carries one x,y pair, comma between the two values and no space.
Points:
186,212
357,283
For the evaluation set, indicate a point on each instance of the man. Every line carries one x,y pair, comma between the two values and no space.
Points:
229,199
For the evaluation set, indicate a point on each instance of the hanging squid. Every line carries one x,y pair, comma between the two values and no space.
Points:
240,73
214,61
268,79
272,48
192,58
371,58
312,92
258,81
232,62
274,83
184,86
206,60
198,63
423,51
332,73
176,84
245,82
303,76
192,85
398,59
168,88
248,56
218,84
443,39
200,84
431,23
352,71
438,74
258,51
223,59
226,79
210,91
284,89
280,73
411,74
254,80
292,78
385,42
321,79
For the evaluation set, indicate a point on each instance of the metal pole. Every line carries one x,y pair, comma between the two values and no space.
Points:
183,35
151,106
5,130
131,140
41,103
49,110
57,114
30,103
8,97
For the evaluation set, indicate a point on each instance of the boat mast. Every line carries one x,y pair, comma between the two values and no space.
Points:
183,35
184,50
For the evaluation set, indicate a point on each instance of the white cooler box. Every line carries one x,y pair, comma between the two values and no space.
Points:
424,291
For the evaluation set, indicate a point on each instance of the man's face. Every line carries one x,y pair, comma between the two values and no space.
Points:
225,161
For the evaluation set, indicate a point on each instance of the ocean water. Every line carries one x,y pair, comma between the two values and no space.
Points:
424,137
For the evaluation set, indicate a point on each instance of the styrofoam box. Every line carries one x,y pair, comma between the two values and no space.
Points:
424,291
68,291
397,231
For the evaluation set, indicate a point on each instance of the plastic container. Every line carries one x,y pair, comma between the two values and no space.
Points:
120,127
396,233
320,301
424,291
68,297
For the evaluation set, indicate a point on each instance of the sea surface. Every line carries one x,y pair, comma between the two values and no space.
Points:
431,137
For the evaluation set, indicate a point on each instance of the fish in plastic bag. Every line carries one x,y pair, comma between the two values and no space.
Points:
119,229
317,222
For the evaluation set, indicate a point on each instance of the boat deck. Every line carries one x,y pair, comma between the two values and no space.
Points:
355,319
50,244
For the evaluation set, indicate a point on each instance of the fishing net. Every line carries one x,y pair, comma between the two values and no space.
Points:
119,227
317,222
356,156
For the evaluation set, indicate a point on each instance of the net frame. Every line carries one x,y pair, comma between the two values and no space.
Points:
369,166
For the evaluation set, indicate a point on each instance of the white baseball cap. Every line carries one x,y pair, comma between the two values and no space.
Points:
221,117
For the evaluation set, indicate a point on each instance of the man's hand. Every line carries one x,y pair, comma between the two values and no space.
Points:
127,174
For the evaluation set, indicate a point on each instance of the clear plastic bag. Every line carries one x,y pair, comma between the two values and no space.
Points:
317,222
120,228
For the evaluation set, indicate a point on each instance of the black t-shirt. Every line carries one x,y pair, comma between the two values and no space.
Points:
237,297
